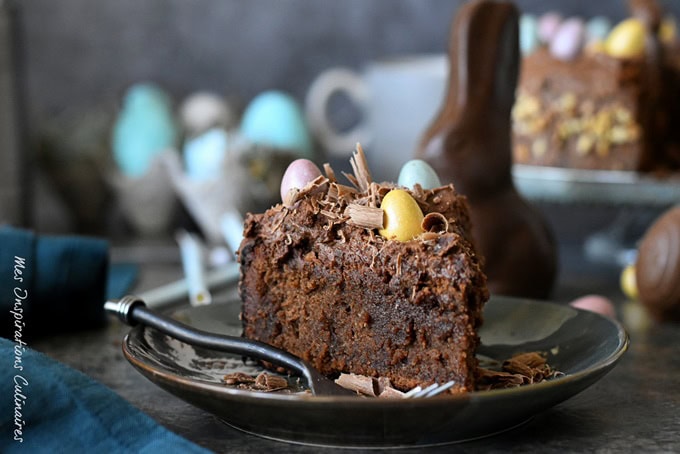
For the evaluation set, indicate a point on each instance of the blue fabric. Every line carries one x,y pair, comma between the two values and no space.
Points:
57,283
58,409
122,277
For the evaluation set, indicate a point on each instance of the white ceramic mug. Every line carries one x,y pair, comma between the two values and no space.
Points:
397,99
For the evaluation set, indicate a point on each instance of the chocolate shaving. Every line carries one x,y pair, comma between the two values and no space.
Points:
360,168
435,222
270,382
369,386
330,173
521,369
238,378
363,216
263,382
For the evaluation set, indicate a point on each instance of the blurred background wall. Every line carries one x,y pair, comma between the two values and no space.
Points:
78,56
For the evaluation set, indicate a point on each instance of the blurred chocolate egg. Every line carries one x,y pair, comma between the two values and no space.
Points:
657,269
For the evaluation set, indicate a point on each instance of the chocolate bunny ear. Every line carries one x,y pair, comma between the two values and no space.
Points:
484,65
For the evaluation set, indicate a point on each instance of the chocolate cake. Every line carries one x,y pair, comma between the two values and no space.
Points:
603,108
319,280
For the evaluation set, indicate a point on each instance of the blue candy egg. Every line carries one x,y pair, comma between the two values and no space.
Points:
528,33
204,155
598,28
418,171
145,127
275,119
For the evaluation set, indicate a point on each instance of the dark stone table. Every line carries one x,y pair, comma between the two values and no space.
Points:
635,408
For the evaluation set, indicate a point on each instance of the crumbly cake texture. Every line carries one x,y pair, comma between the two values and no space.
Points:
318,281
596,112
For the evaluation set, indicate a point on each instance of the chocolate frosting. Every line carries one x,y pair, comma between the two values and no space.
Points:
657,270
469,145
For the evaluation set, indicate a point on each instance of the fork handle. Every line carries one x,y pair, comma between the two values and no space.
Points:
132,311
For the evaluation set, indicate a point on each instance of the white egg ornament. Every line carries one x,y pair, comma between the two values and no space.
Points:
420,172
297,175
274,119
568,41
204,110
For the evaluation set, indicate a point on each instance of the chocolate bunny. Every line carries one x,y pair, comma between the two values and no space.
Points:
469,145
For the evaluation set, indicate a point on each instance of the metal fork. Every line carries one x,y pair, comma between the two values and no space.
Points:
429,391
132,311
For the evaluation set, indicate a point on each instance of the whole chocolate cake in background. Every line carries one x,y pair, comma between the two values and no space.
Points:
594,98
372,279
469,144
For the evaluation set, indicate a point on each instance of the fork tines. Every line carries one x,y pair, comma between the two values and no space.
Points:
429,391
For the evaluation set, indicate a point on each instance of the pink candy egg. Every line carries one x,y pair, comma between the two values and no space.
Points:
547,26
297,175
568,41
595,303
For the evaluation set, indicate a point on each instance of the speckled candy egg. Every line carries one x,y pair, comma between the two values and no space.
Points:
144,128
297,175
568,41
626,40
548,25
403,217
418,171
528,33
274,119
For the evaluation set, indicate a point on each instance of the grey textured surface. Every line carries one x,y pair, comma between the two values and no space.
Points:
80,52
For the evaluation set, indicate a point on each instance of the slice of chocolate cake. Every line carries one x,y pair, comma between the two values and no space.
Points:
319,280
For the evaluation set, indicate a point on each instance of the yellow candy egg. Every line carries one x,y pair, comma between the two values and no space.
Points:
403,216
668,31
628,284
626,40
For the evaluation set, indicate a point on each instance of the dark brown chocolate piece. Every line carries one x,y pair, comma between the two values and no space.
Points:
657,269
469,145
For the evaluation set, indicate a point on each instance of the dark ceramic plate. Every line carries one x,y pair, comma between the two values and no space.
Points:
583,345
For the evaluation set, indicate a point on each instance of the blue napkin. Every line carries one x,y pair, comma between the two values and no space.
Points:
55,284
53,408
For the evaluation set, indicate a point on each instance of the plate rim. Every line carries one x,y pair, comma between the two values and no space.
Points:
601,366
